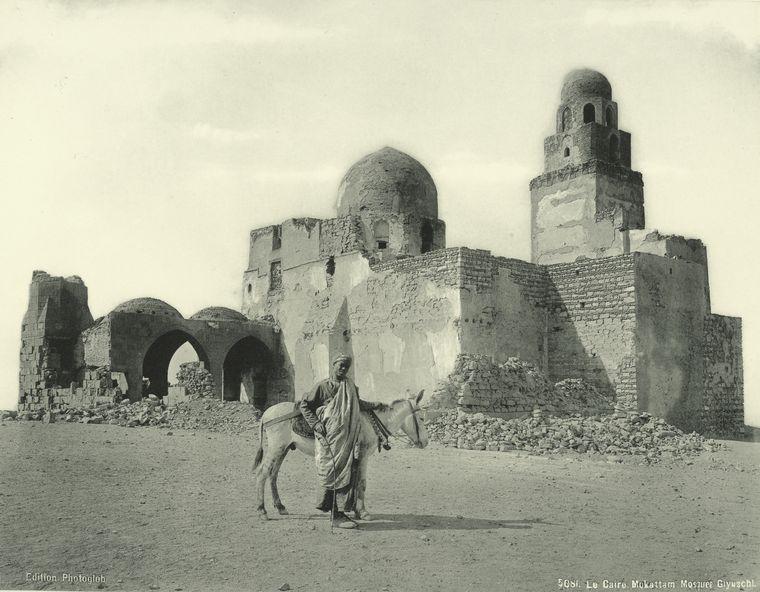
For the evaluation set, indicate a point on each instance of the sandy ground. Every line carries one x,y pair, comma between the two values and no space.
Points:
145,509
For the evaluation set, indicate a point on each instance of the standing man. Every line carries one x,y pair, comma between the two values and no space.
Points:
332,410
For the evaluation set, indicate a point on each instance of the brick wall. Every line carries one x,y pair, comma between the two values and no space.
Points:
592,325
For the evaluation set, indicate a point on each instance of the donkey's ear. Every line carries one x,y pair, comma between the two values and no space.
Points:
419,396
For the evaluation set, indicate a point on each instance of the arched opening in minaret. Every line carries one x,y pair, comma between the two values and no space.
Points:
589,113
381,235
566,119
426,237
609,118
567,151
614,148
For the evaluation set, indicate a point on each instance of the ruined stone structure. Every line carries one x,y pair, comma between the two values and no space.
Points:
603,300
69,359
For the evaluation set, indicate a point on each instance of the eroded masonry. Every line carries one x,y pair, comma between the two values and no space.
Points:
603,300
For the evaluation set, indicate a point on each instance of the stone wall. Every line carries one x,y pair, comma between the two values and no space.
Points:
591,329
670,313
503,307
723,402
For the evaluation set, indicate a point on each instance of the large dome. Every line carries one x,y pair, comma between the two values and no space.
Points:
585,83
218,313
151,306
388,181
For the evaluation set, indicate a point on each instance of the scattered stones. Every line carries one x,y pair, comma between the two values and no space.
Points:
612,435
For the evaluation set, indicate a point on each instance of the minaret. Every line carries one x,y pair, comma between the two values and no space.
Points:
588,197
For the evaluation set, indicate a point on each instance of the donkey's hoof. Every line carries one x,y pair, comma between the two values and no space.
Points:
262,513
283,511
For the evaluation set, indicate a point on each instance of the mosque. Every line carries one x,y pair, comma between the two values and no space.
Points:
603,299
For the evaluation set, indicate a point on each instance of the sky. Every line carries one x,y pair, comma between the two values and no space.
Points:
141,141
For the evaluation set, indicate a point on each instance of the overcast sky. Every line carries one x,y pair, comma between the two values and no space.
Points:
141,141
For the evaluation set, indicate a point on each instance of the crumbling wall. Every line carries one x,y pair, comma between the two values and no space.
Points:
503,307
196,379
591,329
52,352
723,376
513,388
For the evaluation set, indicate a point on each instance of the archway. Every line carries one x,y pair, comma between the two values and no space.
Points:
246,370
159,356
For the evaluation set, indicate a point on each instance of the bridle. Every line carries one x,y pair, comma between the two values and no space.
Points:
414,412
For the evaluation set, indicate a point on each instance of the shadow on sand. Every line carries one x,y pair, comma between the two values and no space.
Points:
429,522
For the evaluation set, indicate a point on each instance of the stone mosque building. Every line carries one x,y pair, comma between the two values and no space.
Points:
602,299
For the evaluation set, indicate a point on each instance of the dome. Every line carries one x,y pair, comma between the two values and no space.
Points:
585,83
218,313
388,181
149,306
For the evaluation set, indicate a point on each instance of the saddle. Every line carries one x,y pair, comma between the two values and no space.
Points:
303,429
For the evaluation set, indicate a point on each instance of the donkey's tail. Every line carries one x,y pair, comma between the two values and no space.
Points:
260,452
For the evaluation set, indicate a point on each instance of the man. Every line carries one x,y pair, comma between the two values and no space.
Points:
332,410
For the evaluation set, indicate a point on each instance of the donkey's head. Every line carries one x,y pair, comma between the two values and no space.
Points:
412,424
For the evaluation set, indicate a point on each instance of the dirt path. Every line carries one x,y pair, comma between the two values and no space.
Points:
143,509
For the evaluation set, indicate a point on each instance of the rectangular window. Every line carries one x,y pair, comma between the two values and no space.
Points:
276,237
275,276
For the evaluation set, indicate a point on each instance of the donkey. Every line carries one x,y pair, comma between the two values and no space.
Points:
277,422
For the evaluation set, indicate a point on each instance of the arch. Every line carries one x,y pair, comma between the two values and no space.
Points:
246,370
566,119
589,113
610,117
614,148
566,152
155,365
381,233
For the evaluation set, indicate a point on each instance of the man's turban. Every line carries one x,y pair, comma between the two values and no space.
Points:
341,358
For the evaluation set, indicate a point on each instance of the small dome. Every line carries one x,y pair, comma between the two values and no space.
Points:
585,83
218,313
388,181
148,306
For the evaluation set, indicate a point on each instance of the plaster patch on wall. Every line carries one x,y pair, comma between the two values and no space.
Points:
392,351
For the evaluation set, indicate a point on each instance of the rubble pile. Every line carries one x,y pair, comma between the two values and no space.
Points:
231,417
513,388
196,379
621,433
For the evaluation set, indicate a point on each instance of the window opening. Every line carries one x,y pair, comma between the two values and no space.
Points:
589,113
567,151
276,237
609,117
426,237
381,235
566,119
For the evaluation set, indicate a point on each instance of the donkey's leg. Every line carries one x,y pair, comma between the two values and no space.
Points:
360,511
260,474
273,473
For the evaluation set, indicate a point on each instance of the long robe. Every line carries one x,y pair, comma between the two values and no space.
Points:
336,404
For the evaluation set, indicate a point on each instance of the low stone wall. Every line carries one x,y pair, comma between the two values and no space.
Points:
100,386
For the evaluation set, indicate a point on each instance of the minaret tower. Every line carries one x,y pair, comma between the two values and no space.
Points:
588,197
